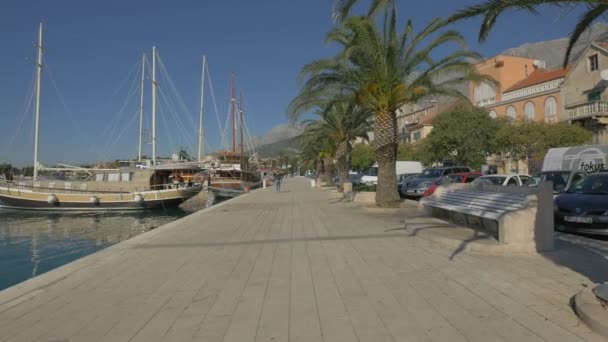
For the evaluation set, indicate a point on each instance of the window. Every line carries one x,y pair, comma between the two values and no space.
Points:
512,181
594,62
485,93
113,177
447,171
99,177
125,176
493,114
511,113
416,136
577,177
550,109
525,180
529,110
594,96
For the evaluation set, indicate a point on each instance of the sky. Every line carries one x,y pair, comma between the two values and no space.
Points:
92,50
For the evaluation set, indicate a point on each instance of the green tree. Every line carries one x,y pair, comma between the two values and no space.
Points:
363,157
465,135
385,69
490,10
530,140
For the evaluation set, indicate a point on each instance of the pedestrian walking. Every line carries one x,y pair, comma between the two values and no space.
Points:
277,181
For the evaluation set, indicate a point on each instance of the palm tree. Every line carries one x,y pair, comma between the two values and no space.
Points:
492,9
343,121
342,8
385,69
318,145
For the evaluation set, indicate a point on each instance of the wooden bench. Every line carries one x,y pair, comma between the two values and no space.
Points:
521,216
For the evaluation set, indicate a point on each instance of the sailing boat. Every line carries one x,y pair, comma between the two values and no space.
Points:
232,174
126,188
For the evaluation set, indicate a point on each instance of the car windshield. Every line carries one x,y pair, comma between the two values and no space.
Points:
591,185
492,180
456,178
557,177
444,180
431,173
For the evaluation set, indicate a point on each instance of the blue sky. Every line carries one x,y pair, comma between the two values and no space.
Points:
92,45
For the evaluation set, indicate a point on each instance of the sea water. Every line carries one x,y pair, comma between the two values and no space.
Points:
32,243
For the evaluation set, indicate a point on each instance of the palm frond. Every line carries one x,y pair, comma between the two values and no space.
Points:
583,24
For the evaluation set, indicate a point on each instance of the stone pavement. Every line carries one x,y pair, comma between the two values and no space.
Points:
301,266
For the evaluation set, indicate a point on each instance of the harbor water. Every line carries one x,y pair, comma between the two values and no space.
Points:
32,243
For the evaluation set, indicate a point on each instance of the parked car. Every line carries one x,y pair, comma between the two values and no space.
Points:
464,177
584,207
401,167
562,180
504,180
417,186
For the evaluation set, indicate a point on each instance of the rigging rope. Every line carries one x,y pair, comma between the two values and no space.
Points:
27,104
217,112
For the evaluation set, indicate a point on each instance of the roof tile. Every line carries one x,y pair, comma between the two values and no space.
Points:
540,76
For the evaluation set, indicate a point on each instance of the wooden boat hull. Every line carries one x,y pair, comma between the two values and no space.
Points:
46,201
231,188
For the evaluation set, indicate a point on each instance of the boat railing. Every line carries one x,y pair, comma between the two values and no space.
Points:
22,186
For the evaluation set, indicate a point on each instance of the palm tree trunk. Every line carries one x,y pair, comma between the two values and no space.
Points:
342,167
320,169
385,140
344,176
327,171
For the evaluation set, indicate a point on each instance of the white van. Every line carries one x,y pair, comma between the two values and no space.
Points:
401,167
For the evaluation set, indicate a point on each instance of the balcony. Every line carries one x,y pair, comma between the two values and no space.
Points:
587,110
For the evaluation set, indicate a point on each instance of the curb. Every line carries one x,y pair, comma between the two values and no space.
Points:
591,311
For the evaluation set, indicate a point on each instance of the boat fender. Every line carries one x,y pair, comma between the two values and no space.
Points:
94,200
52,199
138,198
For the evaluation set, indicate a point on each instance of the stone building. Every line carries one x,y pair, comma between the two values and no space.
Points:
584,92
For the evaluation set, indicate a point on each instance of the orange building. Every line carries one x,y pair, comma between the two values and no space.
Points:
524,89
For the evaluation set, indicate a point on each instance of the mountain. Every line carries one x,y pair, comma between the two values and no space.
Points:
278,148
276,134
553,51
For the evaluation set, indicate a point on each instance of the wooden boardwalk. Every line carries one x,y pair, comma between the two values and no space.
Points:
299,266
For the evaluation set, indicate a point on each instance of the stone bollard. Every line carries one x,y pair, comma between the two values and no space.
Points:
312,183
264,184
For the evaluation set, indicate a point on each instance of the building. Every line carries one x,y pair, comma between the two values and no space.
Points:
584,92
524,89
415,122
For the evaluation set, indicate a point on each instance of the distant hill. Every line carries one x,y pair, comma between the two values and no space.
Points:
275,149
553,51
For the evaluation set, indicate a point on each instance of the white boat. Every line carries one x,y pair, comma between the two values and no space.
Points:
130,188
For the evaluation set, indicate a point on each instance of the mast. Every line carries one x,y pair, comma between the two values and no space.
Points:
201,133
141,105
241,128
233,107
38,84
154,105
